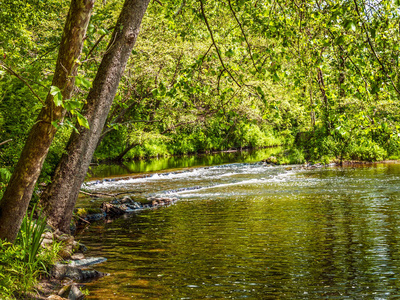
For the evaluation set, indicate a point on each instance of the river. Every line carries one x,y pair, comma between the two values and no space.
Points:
248,230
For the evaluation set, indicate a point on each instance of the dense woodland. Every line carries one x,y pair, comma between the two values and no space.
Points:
320,77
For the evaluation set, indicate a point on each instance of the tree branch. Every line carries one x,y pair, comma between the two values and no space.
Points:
180,8
215,45
372,47
9,70
5,142
244,35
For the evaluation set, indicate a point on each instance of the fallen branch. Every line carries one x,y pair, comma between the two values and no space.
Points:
5,142
83,220
96,194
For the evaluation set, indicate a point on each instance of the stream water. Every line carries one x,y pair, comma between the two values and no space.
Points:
248,230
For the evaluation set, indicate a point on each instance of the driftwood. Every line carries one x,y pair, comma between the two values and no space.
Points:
96,194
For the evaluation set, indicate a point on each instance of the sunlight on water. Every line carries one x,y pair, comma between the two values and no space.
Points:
249,230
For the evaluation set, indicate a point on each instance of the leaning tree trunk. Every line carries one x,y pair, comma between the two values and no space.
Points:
19,191
60,197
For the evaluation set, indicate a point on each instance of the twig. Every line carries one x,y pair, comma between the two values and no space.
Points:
5,142
97,43
215,45
180,8
96,194
82,219
244,35
373,49
11,71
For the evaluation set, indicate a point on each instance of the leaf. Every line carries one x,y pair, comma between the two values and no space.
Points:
54,90
275,77
57,99
102,31
339,40
55,124
229,53
72,104
373,33
82,120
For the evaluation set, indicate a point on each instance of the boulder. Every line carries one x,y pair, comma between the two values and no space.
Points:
75,293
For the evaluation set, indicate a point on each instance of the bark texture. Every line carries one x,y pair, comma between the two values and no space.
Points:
19,191
60,197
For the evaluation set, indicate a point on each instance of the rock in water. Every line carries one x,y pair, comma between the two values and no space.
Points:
75,293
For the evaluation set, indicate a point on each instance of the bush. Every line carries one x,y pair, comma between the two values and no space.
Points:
368,151
291,156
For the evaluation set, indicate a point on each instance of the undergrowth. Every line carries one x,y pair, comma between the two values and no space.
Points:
23,262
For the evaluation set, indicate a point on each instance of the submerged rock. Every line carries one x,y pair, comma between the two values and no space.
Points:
74,269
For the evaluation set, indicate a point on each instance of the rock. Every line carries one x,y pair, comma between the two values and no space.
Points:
95,217
61,271
271,160
64,291
87,261
82,248
65,253
111,209
126,199
75,293
77,256
160,201
48,235
55,297
46,242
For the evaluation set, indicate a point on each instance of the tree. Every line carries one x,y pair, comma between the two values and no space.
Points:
19,191
60,196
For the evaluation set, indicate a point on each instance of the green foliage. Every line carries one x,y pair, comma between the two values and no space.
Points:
291,156
5,176
22,262
285,69
30,235
368,151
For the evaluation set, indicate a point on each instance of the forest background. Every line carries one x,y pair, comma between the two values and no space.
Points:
321,77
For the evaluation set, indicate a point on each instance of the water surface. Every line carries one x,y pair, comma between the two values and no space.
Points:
247,230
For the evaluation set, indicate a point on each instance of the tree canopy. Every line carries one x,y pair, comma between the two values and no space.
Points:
321,77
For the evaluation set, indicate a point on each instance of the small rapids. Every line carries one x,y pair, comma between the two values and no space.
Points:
251,230
193,182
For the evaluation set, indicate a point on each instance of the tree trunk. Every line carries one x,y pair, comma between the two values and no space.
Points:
326,102
19,191
60,196
127,149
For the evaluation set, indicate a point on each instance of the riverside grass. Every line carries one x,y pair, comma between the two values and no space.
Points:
22,263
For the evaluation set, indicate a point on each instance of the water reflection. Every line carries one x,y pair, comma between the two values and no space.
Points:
319,234
179,162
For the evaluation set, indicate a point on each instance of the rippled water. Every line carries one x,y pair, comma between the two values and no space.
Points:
254,231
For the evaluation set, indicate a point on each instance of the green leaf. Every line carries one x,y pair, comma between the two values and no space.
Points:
229,53
55,124
339,40
103,31
72,104
82,120
57,99
54,90
373,33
